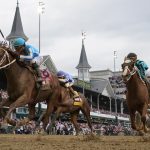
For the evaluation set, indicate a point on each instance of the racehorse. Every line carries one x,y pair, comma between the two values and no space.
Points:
21,85
21,88
137,94
64,104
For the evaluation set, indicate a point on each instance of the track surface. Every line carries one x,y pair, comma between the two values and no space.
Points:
61,142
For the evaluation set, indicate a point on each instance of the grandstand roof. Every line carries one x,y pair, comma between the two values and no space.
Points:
102,86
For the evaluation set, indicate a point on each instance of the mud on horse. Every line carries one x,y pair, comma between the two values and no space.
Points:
137,96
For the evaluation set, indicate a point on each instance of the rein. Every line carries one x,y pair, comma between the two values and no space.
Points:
6,56
135,69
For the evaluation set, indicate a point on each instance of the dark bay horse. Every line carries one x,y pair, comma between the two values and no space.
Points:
137,93
21,85
22,90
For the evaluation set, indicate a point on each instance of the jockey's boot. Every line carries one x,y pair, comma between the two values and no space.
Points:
38,72
74,93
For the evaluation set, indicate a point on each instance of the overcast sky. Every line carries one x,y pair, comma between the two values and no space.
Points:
111,25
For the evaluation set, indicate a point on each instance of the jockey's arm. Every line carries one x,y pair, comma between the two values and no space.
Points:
29,56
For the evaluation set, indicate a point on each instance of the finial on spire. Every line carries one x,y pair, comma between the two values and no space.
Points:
17,3
83,36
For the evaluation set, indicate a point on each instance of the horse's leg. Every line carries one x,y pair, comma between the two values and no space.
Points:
143,112
21,101
45,117
86,111
132,117
55,117
74,121
31,108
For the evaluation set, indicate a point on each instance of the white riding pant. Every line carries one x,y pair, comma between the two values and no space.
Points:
38,60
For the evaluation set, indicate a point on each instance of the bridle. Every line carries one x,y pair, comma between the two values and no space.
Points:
4,58
130,74
127,72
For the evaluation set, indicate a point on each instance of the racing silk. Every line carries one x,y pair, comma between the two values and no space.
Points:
142,66
68,77
29,53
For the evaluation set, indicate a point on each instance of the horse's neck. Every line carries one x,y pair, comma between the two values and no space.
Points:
13,71
135,82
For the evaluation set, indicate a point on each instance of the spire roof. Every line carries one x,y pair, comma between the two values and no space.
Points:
17,29
83,62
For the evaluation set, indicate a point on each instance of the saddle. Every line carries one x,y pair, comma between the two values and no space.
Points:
44,85
77,100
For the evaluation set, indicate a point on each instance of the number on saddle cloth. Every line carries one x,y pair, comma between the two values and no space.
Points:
77,101
46,77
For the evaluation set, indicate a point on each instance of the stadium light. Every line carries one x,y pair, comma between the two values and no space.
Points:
40,11
115,57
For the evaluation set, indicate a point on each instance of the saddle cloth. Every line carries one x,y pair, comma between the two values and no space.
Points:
77,101
46,77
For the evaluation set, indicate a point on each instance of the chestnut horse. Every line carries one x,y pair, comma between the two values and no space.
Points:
21,88
65,104
137,93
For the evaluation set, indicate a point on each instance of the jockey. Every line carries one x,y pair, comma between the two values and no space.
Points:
68,81
28,54
142,67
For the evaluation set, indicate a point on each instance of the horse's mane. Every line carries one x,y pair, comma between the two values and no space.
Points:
4,45
3,80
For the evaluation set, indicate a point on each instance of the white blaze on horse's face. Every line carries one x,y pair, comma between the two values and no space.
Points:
127,61
125,72
126,69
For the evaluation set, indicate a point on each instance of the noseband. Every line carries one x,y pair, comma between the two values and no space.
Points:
4,58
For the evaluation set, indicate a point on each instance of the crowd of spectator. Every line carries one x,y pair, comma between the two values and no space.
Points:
67,128
117,84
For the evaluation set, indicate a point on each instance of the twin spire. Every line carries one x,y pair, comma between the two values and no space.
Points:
83,62
17,28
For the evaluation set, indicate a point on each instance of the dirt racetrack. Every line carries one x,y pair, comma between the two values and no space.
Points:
67,142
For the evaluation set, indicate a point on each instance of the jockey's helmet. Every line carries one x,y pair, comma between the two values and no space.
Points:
60,74
132,56
18,42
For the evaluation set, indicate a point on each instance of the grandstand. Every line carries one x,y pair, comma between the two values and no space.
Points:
104,94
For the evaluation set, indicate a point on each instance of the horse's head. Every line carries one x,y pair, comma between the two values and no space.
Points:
128,68
6,58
